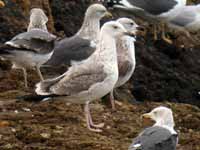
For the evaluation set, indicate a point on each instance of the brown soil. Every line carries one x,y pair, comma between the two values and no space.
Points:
54,125
163,72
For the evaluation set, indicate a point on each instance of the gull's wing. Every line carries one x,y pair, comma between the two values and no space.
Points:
36,40
154,138
154,7
185,16
77,79
71,49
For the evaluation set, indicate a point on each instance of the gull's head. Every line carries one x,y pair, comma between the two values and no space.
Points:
163,116
114,29
97,11
37,15
128,24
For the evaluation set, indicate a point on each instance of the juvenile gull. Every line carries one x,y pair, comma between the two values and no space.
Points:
151,10
83,43
125,55
161,136
29,49
89,80
38,19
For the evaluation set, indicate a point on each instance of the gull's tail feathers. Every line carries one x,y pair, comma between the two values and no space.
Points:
35,98
44,87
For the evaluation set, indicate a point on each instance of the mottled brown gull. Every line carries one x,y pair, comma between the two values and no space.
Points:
83,43
38,19
161,136
29,49
125,55
90,80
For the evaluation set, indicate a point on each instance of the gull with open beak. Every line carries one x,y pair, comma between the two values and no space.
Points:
125,54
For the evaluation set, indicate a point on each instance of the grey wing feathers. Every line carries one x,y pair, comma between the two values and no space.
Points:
184,18
35,40
44,86
71,49
154,7
154,138
35,34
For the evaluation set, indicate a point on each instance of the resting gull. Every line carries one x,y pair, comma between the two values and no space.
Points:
187,19
38,19
90,80
161,136
83,43
29,49
125,54
151,10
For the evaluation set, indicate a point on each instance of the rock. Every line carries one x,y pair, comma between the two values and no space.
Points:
4,124
45,135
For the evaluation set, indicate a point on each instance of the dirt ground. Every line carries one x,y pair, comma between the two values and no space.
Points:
54,125
163,72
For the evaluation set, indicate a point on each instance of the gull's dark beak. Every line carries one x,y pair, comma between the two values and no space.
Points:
108,15
132,34
140,28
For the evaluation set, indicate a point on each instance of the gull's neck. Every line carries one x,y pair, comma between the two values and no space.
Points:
40,24
90,28
167,123
106,49
129,47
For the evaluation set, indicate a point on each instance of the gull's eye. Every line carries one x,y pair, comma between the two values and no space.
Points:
115,27
131,23
102,11
155,112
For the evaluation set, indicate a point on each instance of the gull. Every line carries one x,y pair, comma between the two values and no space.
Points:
83,43
186,20
29,49
161,135
90,80
125,55
38,19
151,10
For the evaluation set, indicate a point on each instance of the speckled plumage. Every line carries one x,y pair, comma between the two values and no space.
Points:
91,79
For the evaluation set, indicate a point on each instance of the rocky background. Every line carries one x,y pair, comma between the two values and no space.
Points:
163,73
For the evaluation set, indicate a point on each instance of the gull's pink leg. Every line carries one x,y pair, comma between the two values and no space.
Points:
25,77
89,119
112,100
101,125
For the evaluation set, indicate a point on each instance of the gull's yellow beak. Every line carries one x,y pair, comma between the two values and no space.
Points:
108,15
147,116
2,4
147,120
